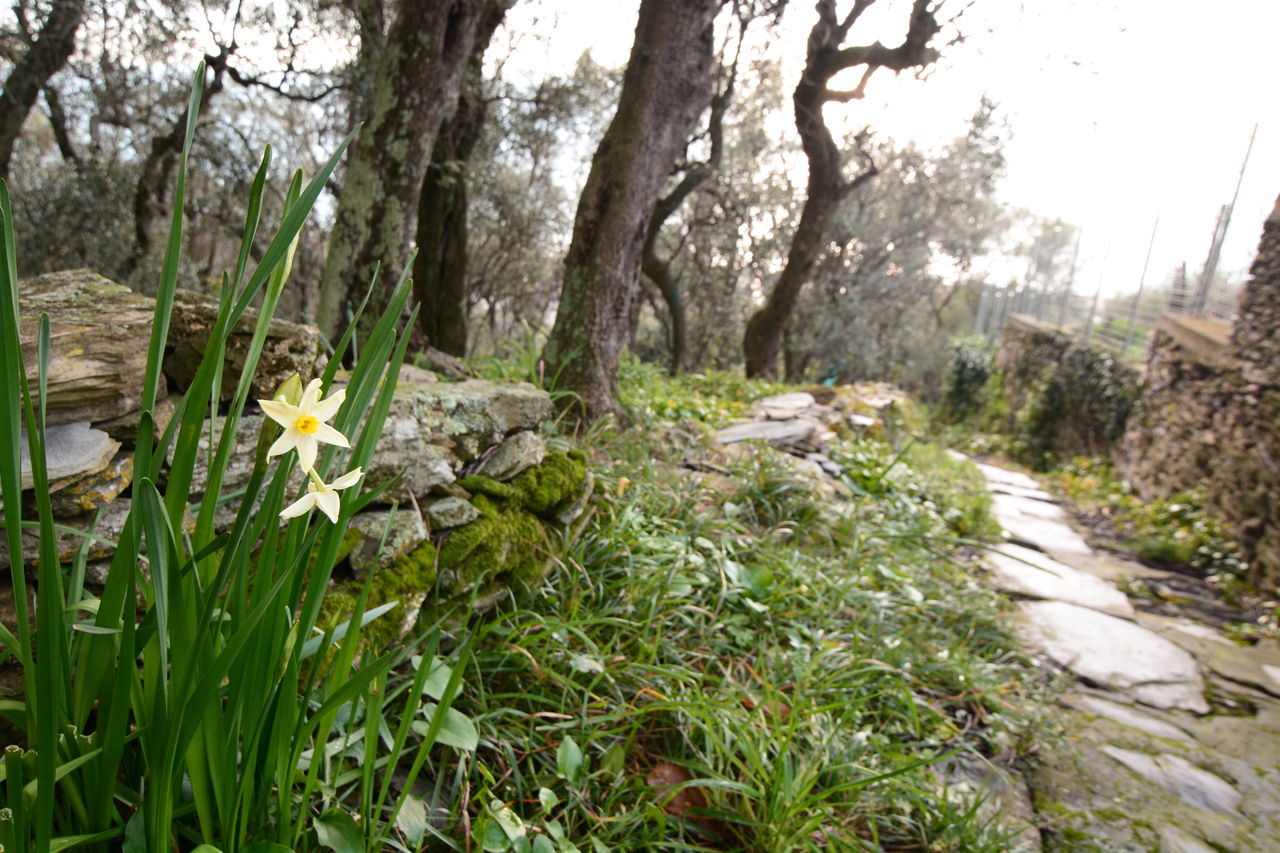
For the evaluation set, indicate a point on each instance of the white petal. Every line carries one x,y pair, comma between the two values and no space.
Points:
310,395
299,506
325,409
307,446
281,413
284,443
329,504
329,435
347,480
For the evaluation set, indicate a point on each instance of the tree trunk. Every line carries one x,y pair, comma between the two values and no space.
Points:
150,197
414,88
659,272
50,51
440,269
666,87
827,185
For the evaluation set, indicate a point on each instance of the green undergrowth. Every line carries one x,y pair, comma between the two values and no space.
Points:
736,662
1175,531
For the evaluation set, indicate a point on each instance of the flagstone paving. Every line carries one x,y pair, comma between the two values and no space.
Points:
1022,571
1171,740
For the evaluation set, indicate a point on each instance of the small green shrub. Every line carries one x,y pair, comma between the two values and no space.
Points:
1080,402
965,386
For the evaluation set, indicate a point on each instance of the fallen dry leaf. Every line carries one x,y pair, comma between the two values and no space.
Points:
665,779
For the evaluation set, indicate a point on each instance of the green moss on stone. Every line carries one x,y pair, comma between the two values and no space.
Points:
477,484
539,489
556,481
507,546
409,575
506,540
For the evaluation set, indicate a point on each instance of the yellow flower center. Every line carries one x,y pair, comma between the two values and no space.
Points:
307,425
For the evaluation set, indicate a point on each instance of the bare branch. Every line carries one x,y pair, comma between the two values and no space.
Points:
855,94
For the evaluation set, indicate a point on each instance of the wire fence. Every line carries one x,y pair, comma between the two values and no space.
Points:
1121,324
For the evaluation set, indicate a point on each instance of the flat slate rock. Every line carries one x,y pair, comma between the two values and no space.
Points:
783,406
288,348
71,451
1112,568
1005,477
516,453
1174,840
1257,665
1022,571
384,536
1032,507
1196,787
1052,537
450,512
86,493
1113,653
1126,715
1022,492
773,432
98,332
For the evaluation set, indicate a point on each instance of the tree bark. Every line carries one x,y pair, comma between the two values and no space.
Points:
657,269
666,87
46,56
827,186
414,88
150,205
440,269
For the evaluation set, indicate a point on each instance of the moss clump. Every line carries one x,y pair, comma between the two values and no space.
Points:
408,575
506,546
505,541
480,485
539,489
509,541
556,481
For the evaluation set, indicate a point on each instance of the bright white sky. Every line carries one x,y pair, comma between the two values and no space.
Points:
1121,110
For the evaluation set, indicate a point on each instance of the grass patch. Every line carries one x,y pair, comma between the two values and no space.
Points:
750,669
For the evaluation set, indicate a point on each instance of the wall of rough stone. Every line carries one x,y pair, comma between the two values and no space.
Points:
1208,417
478,493
1066,397
1027,348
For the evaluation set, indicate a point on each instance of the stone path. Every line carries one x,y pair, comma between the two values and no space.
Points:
1172,731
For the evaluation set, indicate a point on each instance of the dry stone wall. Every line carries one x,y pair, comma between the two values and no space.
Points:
1209,414
1066,398
475,486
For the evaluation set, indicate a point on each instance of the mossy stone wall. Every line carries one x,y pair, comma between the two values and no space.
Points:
1067,398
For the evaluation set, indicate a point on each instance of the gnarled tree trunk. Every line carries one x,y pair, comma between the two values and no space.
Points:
440,269
827,186
666,87
50,51
414,87
657,269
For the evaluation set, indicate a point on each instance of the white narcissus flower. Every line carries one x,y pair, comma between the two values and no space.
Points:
304,424
323,495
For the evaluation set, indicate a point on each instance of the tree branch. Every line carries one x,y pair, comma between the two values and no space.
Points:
58,120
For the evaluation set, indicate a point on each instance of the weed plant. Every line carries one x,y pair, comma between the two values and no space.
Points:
192,703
